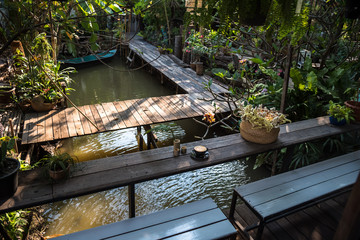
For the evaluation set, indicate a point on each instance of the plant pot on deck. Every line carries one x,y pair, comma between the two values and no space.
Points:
59,175
355,106
9,177
258,135
199,68
39,105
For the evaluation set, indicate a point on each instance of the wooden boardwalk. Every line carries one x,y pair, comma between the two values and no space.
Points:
314,223
185,78
67,123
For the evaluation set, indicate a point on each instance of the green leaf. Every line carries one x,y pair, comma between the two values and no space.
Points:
256,60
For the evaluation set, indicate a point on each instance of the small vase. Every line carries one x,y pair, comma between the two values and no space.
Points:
258,135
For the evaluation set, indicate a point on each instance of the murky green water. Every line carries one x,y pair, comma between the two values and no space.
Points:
102,84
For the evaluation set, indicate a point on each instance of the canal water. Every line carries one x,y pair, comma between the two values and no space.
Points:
100,83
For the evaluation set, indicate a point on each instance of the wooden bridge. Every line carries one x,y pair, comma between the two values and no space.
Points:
67,123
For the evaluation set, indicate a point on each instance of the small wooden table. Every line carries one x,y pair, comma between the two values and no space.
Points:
278,196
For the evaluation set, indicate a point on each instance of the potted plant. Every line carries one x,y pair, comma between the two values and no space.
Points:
57,165
260,124
339,114
8,168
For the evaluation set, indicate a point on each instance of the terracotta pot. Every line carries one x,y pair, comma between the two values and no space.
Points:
9,178
258,135
355,106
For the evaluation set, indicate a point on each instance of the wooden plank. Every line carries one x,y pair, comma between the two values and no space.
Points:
78,126
201,103
118,120
141,112
171,106
17,122
26,130
64,131
150,111
97,118
180,102
56,125
112,115
127,117
41,125
103,116
84,122
165,115
91,117
33,132
134,113
49,126
70,122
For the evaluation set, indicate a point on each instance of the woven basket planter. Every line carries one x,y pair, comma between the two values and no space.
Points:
258,135
355,106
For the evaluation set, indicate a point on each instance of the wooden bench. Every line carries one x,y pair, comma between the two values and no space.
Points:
278,196
197,220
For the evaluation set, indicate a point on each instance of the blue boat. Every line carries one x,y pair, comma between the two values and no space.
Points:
90,58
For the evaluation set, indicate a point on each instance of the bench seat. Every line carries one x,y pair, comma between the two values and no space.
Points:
278,196
197,220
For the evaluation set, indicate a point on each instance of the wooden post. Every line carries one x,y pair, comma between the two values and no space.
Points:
13,135
64,103
140,139
151,138
131,198
286,79
348,227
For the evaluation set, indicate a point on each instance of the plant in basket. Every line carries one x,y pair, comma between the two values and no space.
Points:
57,165
260,124
339,114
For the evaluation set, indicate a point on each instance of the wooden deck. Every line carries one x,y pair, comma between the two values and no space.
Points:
15,116
67,123
185,78
315,223
129,169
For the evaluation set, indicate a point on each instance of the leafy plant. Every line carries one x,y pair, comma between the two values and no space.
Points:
261,117
57,161
305,154
340,112
168,127
15,223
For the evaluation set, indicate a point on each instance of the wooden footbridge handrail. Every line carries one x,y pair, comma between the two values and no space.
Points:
130,169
